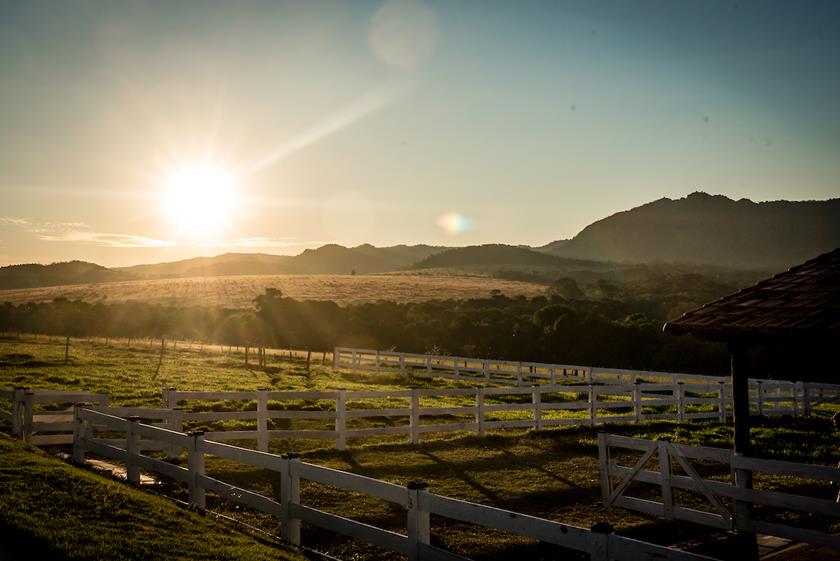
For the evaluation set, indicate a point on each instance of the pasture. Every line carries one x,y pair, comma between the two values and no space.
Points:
552,474
240,291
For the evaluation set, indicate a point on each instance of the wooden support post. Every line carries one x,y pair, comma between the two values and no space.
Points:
308,360
66,350
414,427
637,401
132,448
17,411
681,401
378,364
600,541
336,355
402,363
536,400
79,435
341,420
455,367
604,461
479,411
28,412
485,369
353,360
747,544
519,374
289,495
418,522
722,402
794,400
760,397
593,411
665,475
553,372
195,462
429,365
262,419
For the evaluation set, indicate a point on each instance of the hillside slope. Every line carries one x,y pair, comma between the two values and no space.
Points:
57,274
711,229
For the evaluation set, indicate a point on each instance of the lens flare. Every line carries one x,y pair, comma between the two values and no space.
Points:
453,223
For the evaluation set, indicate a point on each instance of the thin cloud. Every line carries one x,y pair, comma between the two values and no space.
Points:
12,221
266,242
104,239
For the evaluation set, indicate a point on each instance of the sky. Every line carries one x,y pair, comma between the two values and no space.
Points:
145,131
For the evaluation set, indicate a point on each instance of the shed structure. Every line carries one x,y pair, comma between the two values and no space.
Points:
785,327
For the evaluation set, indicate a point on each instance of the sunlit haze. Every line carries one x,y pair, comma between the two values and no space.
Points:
141,131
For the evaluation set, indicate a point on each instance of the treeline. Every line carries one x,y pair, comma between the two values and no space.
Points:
551,328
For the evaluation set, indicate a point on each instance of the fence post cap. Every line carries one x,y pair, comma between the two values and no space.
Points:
263,389
196,433
133,418
602,528
291,456
417,485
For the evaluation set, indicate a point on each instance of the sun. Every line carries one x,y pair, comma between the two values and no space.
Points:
199,198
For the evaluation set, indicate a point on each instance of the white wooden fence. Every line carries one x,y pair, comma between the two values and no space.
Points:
768,397
419,503
728,499
340,415
44,417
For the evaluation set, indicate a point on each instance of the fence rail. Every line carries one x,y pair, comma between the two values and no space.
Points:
730,500
419,503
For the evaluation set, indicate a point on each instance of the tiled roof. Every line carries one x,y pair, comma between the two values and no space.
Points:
802,301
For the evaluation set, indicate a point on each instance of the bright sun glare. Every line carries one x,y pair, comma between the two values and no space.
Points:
199,198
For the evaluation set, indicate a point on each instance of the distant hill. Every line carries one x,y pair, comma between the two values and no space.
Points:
710,229
327,259
488,255
57,274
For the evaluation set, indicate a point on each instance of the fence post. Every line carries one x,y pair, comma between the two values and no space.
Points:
794,391
519,373
419,526
479,411
289,495
176,423
132,450
195,461
262,419
485,369
665,475
681,401
415,417
599,545
429,365
722,402
377,361
336,352
806,399
536,400
760,397
28,413
593,412
79,435
402,363
341,419
637,401
553,371
455,368
604,461
353,360
17,401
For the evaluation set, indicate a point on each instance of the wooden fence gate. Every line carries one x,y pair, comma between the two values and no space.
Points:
718,499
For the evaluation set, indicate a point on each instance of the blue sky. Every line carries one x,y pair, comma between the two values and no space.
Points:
366,121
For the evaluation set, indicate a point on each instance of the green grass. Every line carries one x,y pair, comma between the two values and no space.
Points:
51,510
553,474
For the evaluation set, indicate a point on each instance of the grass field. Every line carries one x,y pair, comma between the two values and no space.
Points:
552,474
239,291
51,510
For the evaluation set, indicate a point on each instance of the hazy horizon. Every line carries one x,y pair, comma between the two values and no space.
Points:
145,132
